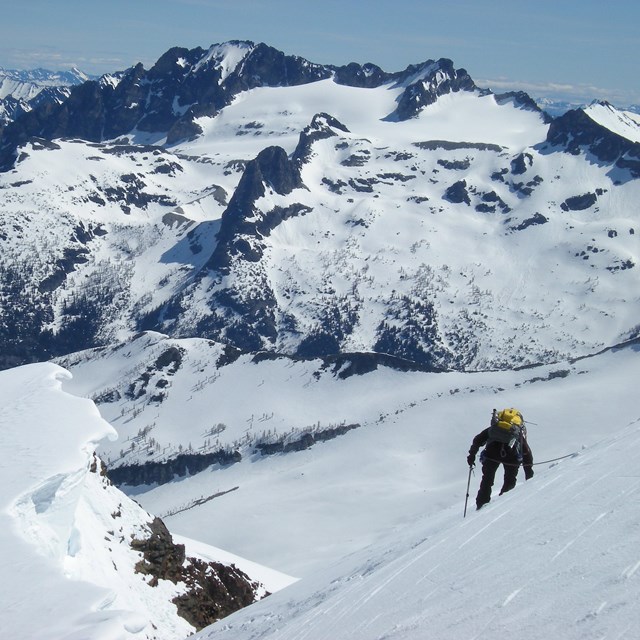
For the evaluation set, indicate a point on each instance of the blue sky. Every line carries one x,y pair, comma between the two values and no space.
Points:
579,49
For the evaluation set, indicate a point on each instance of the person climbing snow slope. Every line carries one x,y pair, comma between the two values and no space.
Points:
506,444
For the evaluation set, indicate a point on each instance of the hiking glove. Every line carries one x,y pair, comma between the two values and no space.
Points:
471,460
528,473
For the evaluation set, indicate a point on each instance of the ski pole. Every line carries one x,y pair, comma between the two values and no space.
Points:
468,485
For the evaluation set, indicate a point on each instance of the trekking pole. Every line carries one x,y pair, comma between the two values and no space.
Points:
468,485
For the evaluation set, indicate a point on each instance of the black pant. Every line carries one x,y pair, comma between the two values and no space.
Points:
493,456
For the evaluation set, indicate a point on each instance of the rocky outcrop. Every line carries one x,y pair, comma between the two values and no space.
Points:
579,203
457,193
322,126
434,80
522,100
213,590
242,225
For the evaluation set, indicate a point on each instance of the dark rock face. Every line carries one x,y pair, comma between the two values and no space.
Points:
441,78
521,163
536,219
576,132
579,203
524,101
271,170
306,441
217,590
366,76
322,126
446,145
214,590
457,193
161,557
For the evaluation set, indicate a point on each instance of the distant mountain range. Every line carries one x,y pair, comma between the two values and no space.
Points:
22,91
269,203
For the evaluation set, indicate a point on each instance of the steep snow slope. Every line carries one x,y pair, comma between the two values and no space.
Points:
67,556
623,123
557,557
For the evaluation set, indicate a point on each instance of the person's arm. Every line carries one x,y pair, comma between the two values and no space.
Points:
527,461
479,441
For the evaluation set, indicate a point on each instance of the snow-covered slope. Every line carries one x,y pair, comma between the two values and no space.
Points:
78,558
188,405
297,292
623,123
371,520
556,558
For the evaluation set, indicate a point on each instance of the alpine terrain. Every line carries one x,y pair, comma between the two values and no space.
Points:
256,304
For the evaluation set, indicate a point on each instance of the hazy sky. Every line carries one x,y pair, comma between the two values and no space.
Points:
582,49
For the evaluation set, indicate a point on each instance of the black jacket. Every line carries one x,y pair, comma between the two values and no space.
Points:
500,452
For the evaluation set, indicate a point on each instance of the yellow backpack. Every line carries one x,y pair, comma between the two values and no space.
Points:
507,426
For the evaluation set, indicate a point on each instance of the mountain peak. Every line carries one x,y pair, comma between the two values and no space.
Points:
425,83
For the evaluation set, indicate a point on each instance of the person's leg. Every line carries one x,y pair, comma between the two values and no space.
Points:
510,477
489,468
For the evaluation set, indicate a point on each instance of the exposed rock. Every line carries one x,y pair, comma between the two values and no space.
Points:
446,145
576,132
521,163
306,441
273,170
536,219
435,79
355,75
322,126
457,193
579,203
524,101
455,165
214,590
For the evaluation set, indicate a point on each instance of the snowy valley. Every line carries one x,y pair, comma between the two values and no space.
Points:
277,300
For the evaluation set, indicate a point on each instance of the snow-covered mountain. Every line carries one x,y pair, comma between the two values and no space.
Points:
26,85
270,203
556,108
23,91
